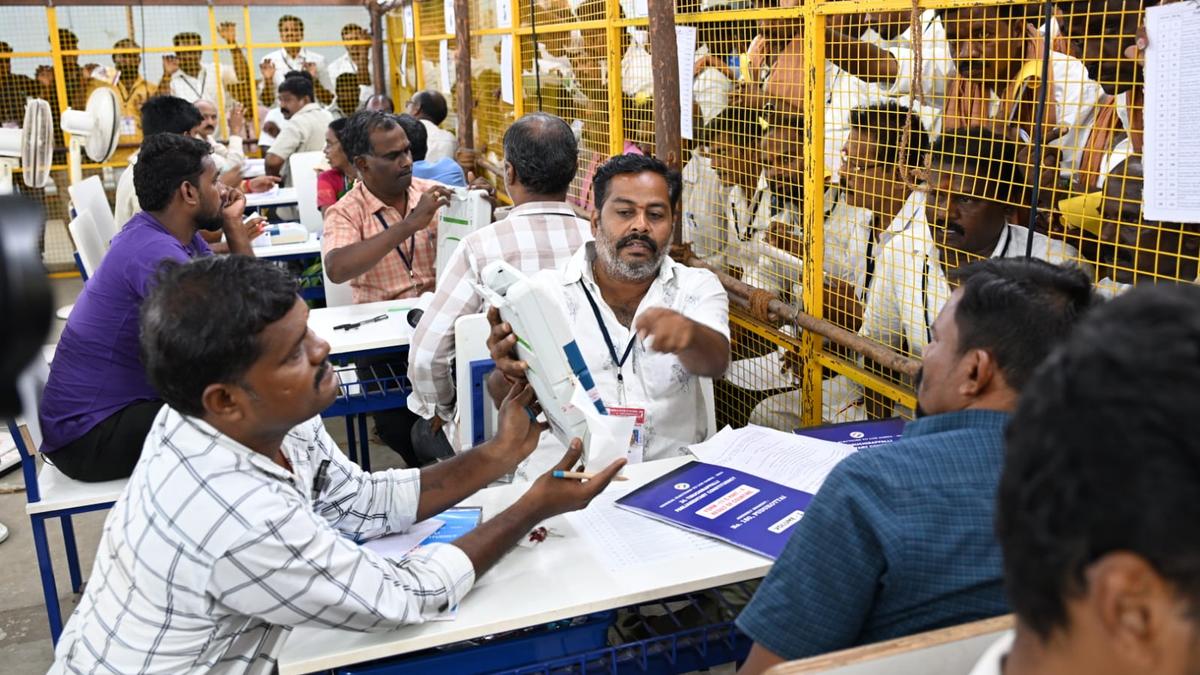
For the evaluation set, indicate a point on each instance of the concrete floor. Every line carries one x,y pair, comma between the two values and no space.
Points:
24,633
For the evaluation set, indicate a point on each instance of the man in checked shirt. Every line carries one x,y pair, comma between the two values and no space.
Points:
241,518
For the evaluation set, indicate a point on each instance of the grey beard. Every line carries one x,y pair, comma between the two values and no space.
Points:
627,271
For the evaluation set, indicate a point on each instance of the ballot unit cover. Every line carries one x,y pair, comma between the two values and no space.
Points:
734,506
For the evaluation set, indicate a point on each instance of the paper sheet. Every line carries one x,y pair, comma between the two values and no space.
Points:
621,539
448,15
444,64
796,461
685,44
396,546
641,8
506,69
403,65
503,14
408,21
608,435
1172,148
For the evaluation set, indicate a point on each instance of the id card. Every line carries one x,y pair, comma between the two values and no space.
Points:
637,442
128,126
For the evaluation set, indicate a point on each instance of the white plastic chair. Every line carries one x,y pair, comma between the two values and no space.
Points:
51,494
88,195
88,243
477,417
302,168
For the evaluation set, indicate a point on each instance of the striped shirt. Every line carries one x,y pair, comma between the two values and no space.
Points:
535,236
356,217
214,552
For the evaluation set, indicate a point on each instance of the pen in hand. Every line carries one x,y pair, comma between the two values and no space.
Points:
579,475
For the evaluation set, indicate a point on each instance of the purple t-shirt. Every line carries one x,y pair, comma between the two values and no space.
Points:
97,368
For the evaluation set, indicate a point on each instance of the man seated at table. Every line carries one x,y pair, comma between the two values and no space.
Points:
382,238
304,130
899,539
98,406
445,171
1097,508
648,327
429,106
541,232
242,518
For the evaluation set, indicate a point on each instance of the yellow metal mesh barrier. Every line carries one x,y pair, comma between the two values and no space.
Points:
844,158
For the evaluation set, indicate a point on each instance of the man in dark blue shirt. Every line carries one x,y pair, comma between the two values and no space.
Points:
900,539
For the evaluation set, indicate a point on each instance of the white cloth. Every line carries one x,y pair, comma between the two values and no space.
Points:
897,311
843,93
127,205
992,661
214,552
937,64
670,395
440,143
340,66
231,157
304,132
204,85
285,64
703,206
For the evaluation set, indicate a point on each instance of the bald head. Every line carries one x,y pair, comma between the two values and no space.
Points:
428,105
210,115
380,102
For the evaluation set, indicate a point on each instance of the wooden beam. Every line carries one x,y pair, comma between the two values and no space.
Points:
466,102
664,64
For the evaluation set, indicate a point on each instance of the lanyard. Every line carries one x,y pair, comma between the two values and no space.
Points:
618,363
406,259
925,286
203,78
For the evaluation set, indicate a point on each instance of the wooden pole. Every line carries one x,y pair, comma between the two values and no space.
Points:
664,64
378,81
466,103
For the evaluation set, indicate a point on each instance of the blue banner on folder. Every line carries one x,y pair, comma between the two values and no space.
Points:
736,507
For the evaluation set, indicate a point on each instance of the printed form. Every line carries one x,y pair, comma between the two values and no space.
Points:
1172,147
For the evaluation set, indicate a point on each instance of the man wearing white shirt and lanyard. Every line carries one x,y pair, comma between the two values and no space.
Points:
355,61
185,77
647,326
970,202
276,65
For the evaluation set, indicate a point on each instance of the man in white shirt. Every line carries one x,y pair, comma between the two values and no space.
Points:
229,158
965,213
243,518
429,106
647,326
276,66
186,77
304,130
1096,512
541,232
355,61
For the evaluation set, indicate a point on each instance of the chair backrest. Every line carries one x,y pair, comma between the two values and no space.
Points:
302,168
336,295
472,362
948,651
88,195
90,247
30,386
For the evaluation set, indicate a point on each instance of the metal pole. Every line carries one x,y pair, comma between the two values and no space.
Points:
378,81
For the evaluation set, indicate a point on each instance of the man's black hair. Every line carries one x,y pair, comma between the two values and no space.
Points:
543,153
286,18
1104,456
985,157
432,104
356,137
418,138
186,39
627,164
299,84
165,162
169,115
199,326
1019,309
739,123
885,122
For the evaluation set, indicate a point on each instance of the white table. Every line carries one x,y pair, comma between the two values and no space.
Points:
310,247
558,579
284,196
392,333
